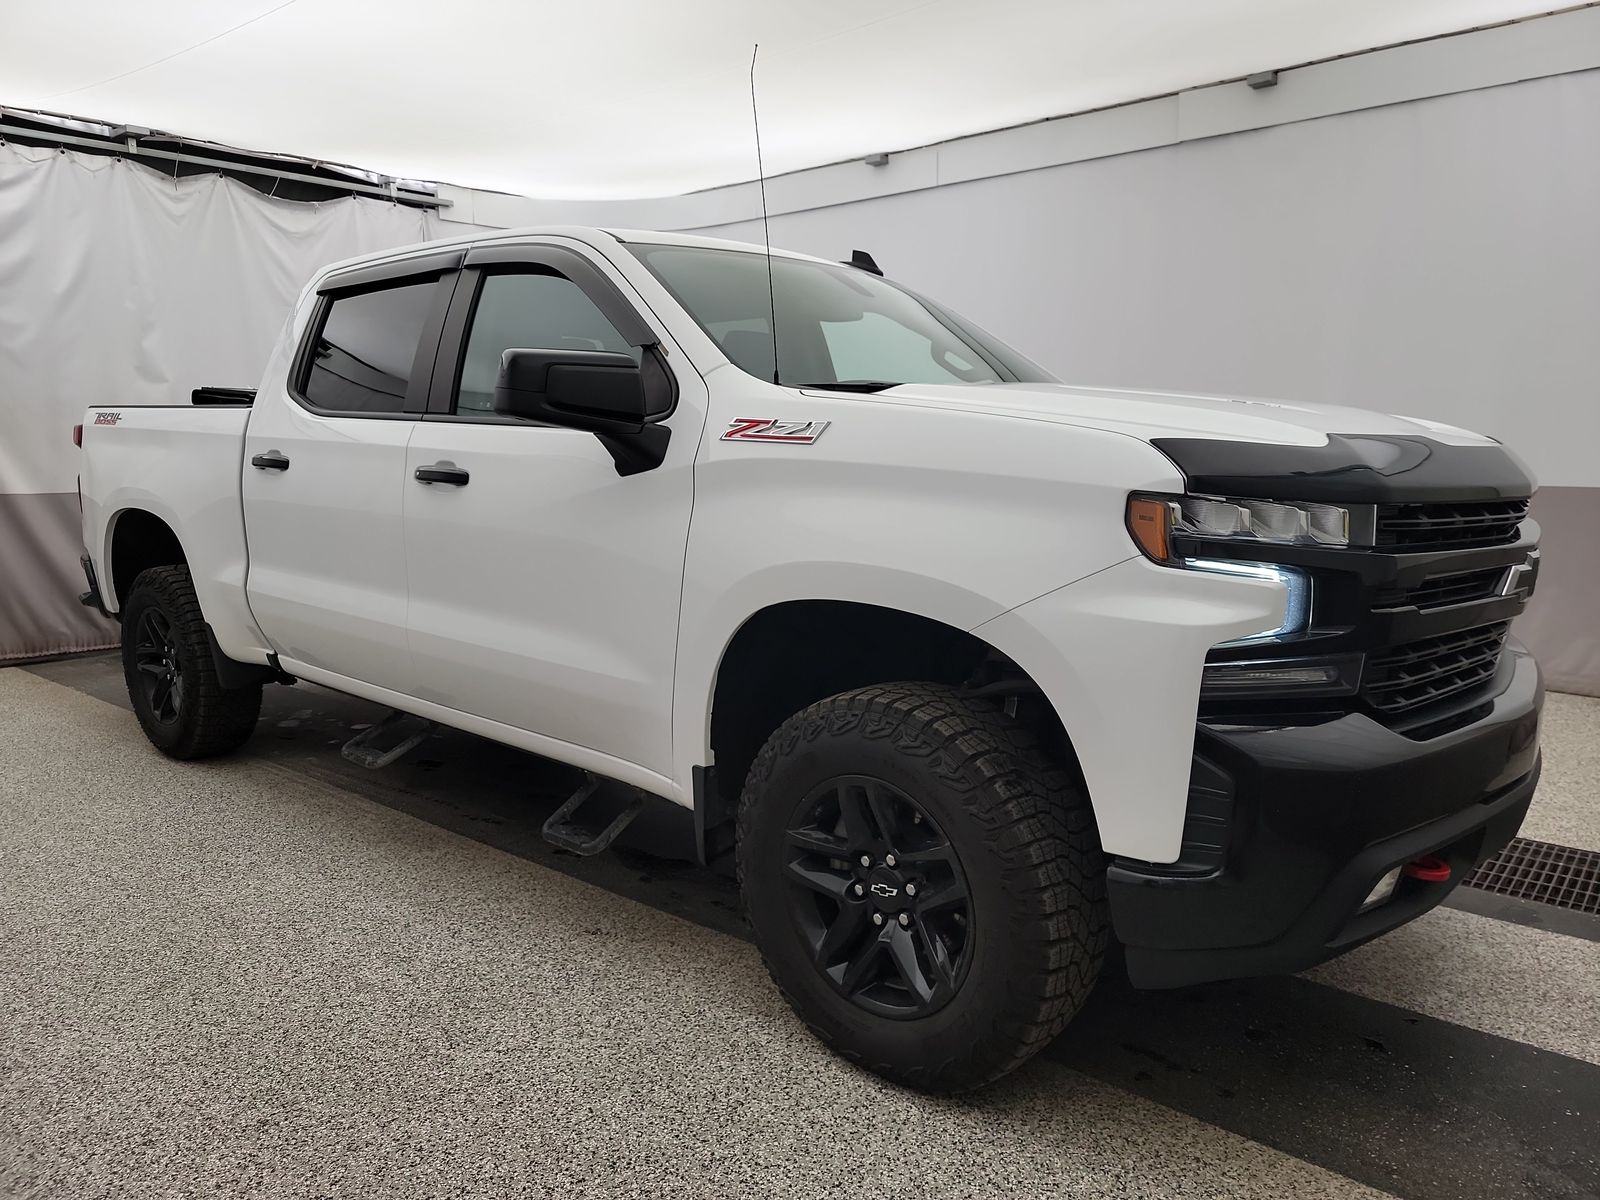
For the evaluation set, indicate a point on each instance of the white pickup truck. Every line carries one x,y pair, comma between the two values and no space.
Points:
971,671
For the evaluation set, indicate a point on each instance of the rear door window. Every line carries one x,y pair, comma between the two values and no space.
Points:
362,359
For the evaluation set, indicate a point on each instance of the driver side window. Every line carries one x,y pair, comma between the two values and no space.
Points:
528,311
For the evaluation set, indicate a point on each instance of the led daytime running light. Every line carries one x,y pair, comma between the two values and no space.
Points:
1296,585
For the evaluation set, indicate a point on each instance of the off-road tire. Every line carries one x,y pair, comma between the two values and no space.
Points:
211,719
1028,845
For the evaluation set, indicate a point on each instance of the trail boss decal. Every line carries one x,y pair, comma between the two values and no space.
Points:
107,418
765,429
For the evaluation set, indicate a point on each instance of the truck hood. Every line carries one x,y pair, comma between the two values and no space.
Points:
1149,415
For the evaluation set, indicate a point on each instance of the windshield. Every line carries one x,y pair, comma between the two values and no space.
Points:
837,325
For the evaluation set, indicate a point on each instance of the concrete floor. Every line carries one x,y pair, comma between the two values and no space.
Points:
280,975
1566,809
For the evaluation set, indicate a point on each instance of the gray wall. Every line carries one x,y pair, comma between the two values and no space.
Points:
1439,258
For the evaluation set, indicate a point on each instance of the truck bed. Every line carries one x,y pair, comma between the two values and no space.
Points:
182,464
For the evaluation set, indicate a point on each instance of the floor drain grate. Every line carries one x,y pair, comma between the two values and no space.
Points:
1543,871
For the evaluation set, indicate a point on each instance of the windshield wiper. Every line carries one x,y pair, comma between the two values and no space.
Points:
852,385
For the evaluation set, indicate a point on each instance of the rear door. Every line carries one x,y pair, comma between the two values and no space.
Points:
325,470
544,585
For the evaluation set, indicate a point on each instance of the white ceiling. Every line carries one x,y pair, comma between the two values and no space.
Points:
610,98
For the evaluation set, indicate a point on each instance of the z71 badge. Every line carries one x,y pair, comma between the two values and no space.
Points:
765,429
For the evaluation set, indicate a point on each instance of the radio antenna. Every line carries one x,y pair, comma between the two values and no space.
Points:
766,229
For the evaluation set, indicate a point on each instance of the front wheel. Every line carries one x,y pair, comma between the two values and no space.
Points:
926,886
172,678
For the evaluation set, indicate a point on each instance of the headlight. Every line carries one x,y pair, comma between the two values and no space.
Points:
1152,520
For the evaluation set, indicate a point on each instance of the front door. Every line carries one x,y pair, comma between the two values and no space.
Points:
544,586
324,482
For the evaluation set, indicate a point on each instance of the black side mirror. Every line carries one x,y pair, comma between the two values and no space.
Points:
599,391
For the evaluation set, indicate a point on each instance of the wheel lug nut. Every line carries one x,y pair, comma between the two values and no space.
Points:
866,860
877,918
911,889
860,891
905,919
889,861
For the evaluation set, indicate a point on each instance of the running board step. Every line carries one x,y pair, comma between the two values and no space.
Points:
379,745
563,829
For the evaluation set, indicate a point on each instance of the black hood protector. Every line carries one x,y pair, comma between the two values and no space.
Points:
1350,469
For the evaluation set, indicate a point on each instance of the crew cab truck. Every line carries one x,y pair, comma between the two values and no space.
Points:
971,672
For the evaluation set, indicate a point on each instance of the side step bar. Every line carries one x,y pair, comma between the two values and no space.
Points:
563,829
379,745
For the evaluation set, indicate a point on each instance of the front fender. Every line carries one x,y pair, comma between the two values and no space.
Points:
1119,655
956,515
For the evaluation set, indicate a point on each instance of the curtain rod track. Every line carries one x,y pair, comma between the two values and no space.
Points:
417,199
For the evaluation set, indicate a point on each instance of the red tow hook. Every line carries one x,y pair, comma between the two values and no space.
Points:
1430,868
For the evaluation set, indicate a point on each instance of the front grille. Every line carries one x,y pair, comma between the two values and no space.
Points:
1444,590
1407,677
1406,528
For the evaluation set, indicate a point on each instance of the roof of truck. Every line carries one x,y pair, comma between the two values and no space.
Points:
593,235
650,237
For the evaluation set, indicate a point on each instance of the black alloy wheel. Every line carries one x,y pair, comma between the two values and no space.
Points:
879,895
169,662
160,673
924,881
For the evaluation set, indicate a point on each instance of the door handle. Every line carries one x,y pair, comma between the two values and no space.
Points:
270,461
443,473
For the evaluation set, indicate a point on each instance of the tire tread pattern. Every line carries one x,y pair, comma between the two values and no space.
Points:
216,720
1036,822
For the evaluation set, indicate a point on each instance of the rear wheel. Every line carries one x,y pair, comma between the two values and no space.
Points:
926,886
172,678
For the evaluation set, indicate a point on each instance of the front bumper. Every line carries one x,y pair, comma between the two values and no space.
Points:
1304,820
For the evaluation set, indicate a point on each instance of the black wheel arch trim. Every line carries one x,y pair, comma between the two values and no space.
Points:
714,817
231,673
93,598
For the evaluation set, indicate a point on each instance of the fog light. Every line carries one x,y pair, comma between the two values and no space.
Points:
1226,676
1333,676
1382,890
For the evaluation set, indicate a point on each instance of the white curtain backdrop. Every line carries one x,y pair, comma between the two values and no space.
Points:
120,285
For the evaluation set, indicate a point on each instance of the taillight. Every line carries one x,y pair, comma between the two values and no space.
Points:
77,436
